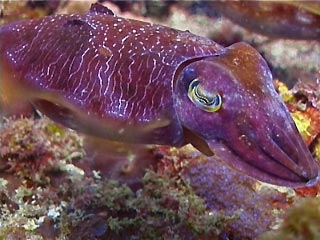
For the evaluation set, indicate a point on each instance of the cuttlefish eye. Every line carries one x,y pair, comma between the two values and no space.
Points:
207,101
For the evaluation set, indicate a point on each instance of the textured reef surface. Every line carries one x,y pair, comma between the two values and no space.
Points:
56,184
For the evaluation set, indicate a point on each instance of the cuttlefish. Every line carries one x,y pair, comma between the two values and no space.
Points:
137,82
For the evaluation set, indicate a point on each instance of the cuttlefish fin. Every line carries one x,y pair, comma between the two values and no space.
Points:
98,8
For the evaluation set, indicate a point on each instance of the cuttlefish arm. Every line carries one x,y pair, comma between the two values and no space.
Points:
230,104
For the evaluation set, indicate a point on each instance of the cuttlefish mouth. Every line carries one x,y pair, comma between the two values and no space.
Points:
278,157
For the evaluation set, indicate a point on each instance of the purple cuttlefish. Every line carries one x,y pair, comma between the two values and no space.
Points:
137,82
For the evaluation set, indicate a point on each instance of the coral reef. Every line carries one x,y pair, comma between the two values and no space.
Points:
226,190
45,196
303,103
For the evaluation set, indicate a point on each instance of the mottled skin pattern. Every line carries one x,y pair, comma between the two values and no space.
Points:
128,80
109,68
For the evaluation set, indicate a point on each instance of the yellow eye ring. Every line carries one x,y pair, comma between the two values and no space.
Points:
209,102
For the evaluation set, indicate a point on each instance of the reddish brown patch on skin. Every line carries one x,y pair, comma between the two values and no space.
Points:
106,52
243,62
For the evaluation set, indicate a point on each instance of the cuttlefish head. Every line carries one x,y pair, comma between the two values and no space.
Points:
229,104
